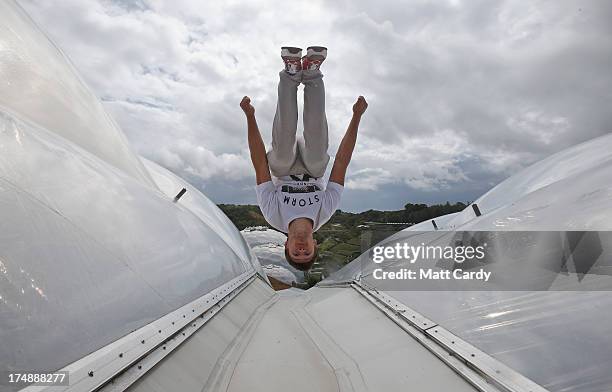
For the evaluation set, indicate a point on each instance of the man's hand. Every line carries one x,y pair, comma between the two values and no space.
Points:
360,106
246,106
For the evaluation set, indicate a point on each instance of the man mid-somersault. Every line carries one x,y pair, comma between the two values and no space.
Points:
291,192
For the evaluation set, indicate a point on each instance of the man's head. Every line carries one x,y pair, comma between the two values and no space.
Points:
301,247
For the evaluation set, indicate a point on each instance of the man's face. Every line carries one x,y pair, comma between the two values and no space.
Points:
301,247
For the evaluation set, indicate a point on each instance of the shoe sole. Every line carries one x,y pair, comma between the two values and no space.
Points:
291,52
317,53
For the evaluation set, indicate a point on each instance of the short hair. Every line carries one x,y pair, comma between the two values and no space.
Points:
302,266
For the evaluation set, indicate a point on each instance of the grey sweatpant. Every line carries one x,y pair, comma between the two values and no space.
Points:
301,155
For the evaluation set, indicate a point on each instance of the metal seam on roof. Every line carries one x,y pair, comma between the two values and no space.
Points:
100,367
473,362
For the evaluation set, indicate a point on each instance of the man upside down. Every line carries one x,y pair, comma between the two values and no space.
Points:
291,192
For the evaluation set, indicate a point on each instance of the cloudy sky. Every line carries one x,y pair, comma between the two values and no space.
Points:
462,93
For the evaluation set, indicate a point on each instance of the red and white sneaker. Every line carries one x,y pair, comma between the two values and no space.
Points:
315,55
292,57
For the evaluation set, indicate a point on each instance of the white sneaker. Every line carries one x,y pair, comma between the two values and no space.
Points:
292,57
315,55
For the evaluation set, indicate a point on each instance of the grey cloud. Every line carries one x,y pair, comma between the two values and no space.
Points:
129,5
462,93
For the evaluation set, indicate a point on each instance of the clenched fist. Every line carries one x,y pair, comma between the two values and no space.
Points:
360,106
246,106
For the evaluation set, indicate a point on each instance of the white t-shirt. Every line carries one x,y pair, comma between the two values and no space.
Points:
284,199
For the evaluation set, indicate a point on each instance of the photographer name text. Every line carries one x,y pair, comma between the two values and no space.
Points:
422,252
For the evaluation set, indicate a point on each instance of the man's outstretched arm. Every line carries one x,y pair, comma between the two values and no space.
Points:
345,151
256,144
